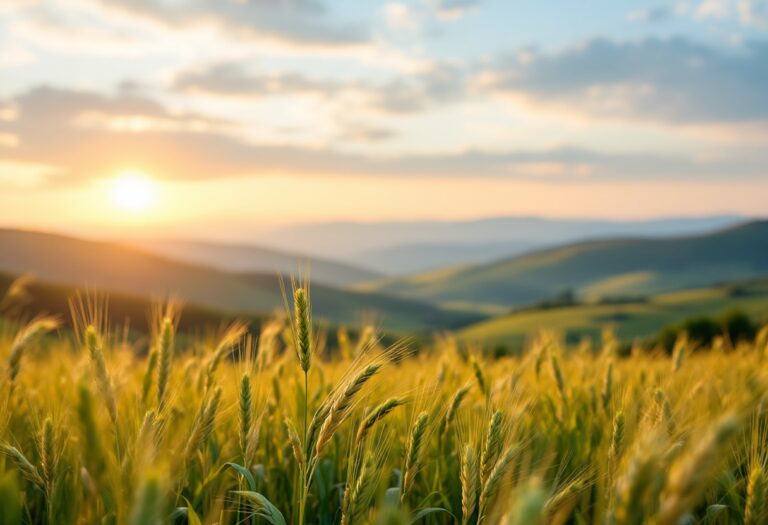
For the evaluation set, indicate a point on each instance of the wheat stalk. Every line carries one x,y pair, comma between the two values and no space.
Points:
607,386
377,415
757,485
691,474
413,453
246,415
469,475
203,424
149,374
453,407
492,484
165,358
493,445
293,439
23,338
303,328
340,409
103,381
25,467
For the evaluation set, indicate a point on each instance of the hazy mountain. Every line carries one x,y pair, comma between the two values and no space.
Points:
117,268
597,268
406,245
249,258
412,258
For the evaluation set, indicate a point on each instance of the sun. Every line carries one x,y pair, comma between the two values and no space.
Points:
133,191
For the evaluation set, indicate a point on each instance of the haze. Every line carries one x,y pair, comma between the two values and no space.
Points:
241,116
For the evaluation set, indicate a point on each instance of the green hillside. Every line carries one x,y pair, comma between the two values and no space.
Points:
124,309
611,268
249,258
639,319
115,268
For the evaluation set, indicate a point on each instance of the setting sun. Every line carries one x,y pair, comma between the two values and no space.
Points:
133,191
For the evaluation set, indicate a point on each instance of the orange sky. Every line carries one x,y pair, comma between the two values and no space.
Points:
237,207
238,116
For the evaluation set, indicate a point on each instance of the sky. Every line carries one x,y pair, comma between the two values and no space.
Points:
217,118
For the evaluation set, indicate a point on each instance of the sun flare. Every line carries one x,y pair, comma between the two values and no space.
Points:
133,191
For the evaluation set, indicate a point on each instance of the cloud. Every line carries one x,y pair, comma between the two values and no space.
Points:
302,22
674,81
57,108
754,13
362,132
439,85
399,16
434,86
657,14
233,79
51,132
15,55
86,134
21,175
455,9
713,9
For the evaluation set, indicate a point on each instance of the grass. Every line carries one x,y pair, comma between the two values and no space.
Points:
229,430
630,321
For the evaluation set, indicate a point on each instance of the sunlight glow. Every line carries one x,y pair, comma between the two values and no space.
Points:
133,191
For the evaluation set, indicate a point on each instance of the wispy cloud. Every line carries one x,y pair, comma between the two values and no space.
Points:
297,21
434,86
754,13
713,9
400,16
672,80
656,14
406,89
53,124
455,9
234,79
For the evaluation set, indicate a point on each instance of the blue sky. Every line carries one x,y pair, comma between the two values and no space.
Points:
312,110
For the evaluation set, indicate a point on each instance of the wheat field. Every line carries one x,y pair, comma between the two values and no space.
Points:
227,428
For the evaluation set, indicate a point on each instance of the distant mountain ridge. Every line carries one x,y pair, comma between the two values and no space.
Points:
413,258
597,268
111,267
401,247
251,258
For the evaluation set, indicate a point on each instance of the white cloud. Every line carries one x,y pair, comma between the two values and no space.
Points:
655,14
16,174
298,22
713,9
15,55
670,80
454,9
401,17
754,13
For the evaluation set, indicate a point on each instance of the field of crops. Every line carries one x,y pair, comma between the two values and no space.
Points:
631,320
286,429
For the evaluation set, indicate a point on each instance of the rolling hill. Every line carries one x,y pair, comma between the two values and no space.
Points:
124,309
630,320
399,247
115,268
250,258
413,258
604,268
